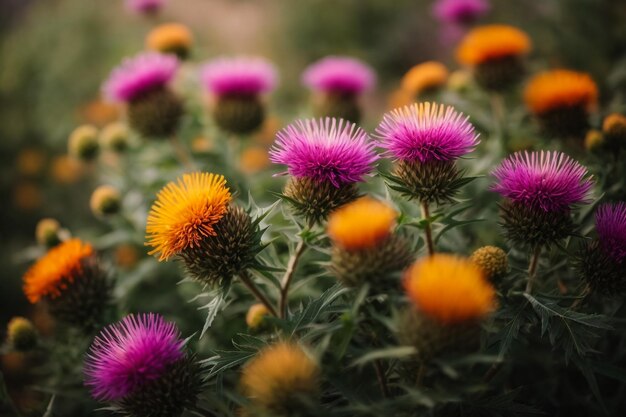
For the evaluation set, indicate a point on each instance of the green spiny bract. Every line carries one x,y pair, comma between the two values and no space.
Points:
499,74
239,114
233,248
530,227
565,122
601,272
316,200
340,106
156,114
431,182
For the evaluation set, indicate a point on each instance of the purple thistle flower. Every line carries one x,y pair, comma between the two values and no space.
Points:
239,76
611,228
325,150
140,74
460,11
144,6
550,181
339,74
426,132
130,352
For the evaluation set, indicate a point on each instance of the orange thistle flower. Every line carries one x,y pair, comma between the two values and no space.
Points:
169,37
361,224
424,76
556,89
51,274
449,289
492,42
185,213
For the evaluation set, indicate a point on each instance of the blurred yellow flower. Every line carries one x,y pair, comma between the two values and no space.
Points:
31,161
425,76
492,42
254,159
170,38
556,89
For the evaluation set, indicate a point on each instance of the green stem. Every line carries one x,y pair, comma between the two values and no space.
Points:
421,371
245,278
532,269
428,229
497,111
289,272
380,375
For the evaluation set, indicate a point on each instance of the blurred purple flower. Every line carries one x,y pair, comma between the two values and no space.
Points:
339,74
426,132
611,228
325,150
144,6
239,76
129,353
140,74
460,11
549,181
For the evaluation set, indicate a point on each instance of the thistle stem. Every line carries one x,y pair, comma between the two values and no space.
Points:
498,111
428,229
288,277
380,375
420,374
181,153
247,281
532,269
582,298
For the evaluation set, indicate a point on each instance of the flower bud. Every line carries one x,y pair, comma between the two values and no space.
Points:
22,335
83,143
492,260
47,232
105,200
114,137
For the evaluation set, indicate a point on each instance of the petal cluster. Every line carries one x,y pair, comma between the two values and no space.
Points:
491,42
611,228
185,213
129,353
424,76
242,75
427,132
339,74
331,150
449,289
140,74
549,181
556,89
460,11
144,6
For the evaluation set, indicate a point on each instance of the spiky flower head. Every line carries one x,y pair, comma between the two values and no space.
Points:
105,200
325,151
144,6
611,228
239,76
139,75
339,74
492,42
185,213
83,142
549,181
362,224
427,132
424,77
557,89
492,260
170,38
281,379
449,289
22,334
460,11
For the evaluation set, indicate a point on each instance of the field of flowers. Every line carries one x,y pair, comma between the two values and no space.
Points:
351,208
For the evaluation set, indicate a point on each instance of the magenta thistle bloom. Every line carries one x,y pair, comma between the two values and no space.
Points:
140,74
339,74
426,132
611,228
550,181
460,11
129,353
239,76
325,150
144,6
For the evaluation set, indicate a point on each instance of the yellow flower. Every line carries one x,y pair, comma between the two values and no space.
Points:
105,200
492,260
185,213
52,273
361,224
47,232
492,42
399,98
255,315
614,125
556,89
449,289
83,142
593,140
21,333
169,37
424,76
31,161
66,170
254,159
279,373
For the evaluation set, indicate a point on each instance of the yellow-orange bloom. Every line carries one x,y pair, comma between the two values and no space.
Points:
361,224
449,289
52,273
491,42
277,373
614,125
254,159
256,314
556,89
424,76
169,37
185,213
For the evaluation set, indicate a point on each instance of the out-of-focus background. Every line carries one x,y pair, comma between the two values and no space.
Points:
54,55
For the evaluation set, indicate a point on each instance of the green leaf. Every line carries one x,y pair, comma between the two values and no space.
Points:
398,352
